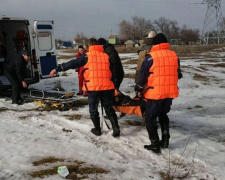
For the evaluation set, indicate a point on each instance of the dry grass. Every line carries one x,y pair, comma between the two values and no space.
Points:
181,50
132,76
204,68
73,117
208,60
64,74
24,117
47,160
77,169
69,50
219,65
199,77
195,107
3,109
81,102
132,61
66,57
133,123
123,49
198,106
192,50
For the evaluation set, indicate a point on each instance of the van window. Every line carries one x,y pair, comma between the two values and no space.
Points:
44,41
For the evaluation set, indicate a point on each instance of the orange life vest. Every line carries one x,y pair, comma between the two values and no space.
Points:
97,74
163,78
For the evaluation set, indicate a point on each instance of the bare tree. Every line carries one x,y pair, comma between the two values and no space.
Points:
138,26
167,27
188,34
141,26
134,29
125,30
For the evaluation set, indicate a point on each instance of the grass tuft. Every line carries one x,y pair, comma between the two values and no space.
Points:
132,76
199,77
131,61
73,117
77,170
133,123
2,109
49,159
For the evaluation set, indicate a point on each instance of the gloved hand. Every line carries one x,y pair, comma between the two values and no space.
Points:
138,88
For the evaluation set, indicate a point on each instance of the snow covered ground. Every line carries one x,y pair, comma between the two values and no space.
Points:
197,145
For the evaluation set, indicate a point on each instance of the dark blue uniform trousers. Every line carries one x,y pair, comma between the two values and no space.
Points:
154,109
106,98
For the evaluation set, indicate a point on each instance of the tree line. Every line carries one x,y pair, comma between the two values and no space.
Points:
137,27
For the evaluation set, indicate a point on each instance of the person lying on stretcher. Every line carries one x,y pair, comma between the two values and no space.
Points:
126,105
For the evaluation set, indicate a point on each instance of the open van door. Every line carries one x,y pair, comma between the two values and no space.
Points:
45,47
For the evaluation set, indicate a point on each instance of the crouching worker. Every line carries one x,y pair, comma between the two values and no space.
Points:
14,70
160,72
98,82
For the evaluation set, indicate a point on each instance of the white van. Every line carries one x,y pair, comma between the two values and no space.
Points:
37,38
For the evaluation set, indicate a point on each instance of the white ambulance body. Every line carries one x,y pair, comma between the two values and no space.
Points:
37,38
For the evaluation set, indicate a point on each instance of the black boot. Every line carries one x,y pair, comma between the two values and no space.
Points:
164,123
97,129
164,143
153,136
115,126
153,147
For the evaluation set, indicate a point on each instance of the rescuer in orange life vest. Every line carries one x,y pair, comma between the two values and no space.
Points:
160,72
99,82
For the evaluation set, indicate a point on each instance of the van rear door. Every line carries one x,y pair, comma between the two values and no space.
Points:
45,47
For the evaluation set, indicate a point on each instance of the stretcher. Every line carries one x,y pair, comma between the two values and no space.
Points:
58,100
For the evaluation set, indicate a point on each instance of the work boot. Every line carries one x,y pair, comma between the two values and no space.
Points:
115,126
154,148
164,123
80,92
97,129
20,101
164,143
154,137
96,132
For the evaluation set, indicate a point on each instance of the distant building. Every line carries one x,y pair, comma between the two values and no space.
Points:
113,39
129,43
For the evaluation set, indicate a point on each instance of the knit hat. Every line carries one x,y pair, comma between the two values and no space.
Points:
101,41
159,38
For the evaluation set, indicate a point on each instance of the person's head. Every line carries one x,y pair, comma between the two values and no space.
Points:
81,49
159,38
92,42
101,41
26,55
149,37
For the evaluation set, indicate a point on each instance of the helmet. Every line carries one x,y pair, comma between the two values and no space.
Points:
150,34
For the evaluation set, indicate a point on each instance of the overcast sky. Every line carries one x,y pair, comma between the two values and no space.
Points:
101,17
